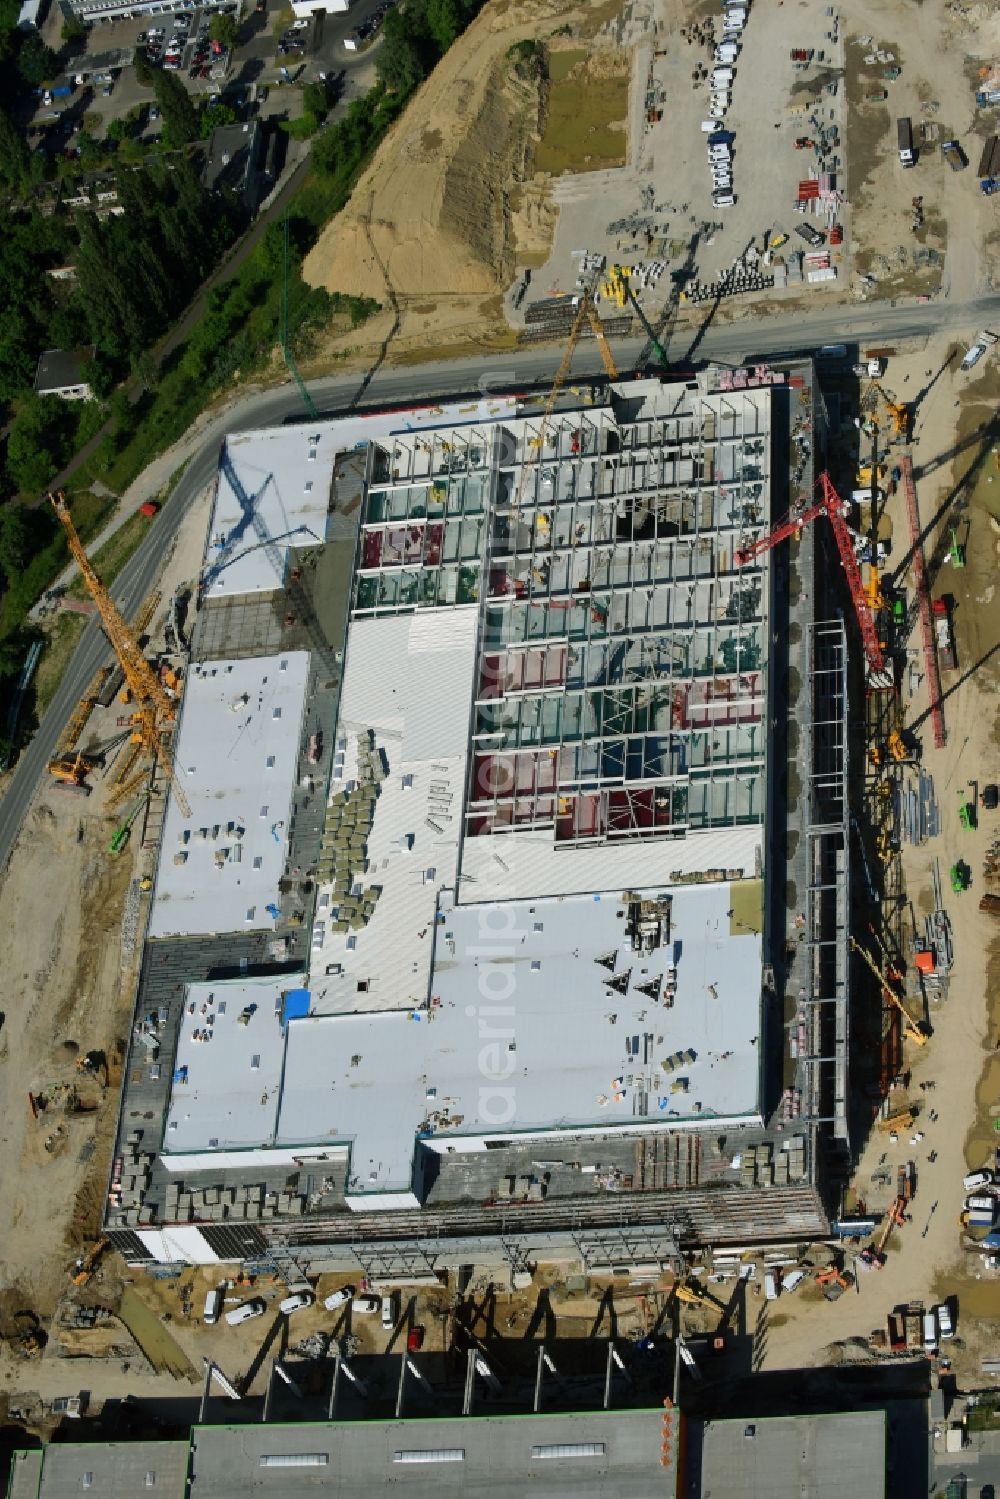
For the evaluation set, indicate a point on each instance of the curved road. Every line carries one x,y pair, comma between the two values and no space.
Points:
726,342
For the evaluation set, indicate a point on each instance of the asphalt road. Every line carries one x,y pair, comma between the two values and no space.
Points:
730,343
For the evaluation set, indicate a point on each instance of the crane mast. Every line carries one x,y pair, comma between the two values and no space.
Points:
833,507
142,681
156,708
585,310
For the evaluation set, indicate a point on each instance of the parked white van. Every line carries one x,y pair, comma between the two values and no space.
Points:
977,1179
213,1305
792,1279
247,1310
930,1333
770,1286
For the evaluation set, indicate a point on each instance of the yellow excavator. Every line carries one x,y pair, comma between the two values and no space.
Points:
68,765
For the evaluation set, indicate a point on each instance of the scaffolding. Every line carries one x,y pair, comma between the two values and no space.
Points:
827,897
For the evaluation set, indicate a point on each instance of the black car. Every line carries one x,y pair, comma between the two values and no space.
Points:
990,797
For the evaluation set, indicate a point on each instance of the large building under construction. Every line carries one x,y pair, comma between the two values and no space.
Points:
509,920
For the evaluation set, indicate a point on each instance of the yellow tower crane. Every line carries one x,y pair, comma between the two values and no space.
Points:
913,1029
155,705
585,310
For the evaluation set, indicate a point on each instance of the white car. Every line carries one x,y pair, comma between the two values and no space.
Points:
723,200
339,1298
390,1311
977,1179
295,1301
246,1311
300,25
367,1304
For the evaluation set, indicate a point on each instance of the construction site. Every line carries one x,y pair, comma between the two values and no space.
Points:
537,866
487,715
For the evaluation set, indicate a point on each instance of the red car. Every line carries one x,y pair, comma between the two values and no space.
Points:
414,1340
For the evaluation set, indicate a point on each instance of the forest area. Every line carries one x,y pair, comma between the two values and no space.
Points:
135,274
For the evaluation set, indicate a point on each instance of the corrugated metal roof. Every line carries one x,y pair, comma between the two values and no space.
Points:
499,1457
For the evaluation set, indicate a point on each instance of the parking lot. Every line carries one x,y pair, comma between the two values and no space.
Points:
271,55
671,203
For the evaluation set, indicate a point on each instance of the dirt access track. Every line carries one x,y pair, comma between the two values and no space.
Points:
470,188
439,221
69,987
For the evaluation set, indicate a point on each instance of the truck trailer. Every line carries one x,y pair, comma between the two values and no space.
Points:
944,635
904,137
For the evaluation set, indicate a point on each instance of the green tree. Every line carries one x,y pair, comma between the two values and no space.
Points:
180,118
97,374
91,154
18,351
35,61
73,29
39,441
399,65
314,100
17,540
213,115
225,30
145,73
301,129
445,21
119,130
13,153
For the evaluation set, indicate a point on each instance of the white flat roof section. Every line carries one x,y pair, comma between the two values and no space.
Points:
408,680
285,474
236,757
543,1018
527,862
228,1065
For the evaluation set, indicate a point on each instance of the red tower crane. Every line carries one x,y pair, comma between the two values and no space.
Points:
828,503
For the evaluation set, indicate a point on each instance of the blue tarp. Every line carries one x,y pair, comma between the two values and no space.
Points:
296,1004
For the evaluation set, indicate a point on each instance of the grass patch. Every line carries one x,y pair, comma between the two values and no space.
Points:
90,512
747,897
62,638
985,1415
600,14
580,131
113,555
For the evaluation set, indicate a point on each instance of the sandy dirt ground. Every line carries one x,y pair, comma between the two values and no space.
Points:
926,1261
428,230
68,991
453,208
938,49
